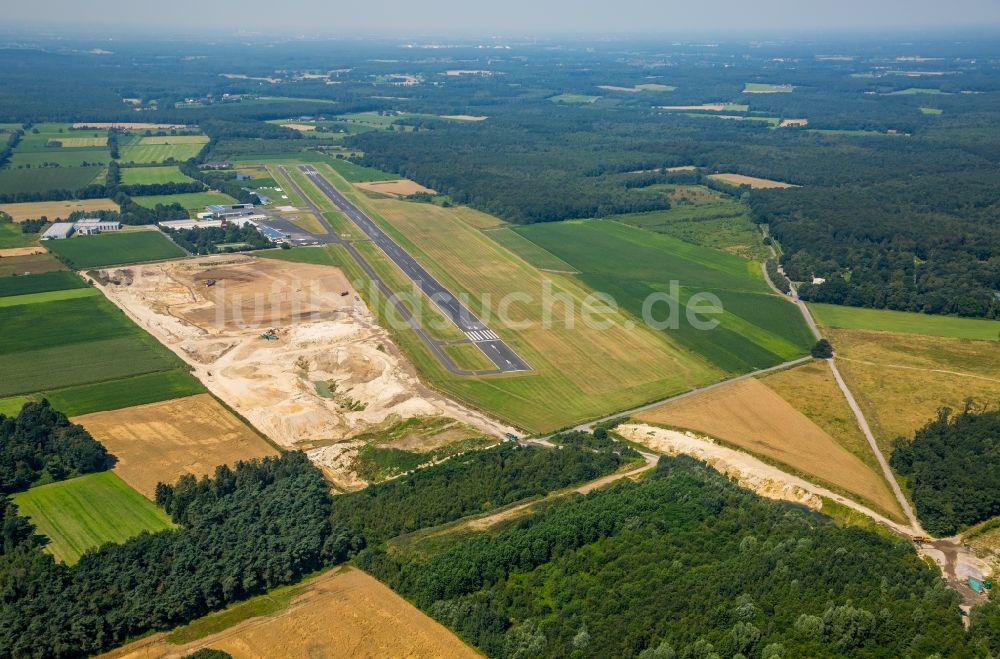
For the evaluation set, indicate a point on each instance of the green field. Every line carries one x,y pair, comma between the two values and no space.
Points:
884,320
190,201
115,249
153,175
42,179
528,250
12,236
766,88
933,112
88,511
150,153
358,173
63,366
127,392
757,328
39,283
913,91
723,225
11,406
59,157
582,99
48,296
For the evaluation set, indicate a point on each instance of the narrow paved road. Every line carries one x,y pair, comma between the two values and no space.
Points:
491,345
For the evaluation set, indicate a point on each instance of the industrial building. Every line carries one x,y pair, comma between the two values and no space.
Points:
230,211
58,231
93,226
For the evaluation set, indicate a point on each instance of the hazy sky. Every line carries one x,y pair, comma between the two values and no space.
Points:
512,17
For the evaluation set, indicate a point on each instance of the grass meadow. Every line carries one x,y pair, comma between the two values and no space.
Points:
190,200
884,320
115,249
153,175
85,512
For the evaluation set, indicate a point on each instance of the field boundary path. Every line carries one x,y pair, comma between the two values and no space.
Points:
488,342
904,504
404,312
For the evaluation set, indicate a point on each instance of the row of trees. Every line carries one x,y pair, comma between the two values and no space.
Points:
208,240
40,444
952,466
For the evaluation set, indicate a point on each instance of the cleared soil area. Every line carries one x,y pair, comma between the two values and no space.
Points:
752,416
330,374
752,181
55,210
343,613
400,188
465,117
161,441
32,264
901,380
785,123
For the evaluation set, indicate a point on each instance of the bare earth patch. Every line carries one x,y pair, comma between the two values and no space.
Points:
161,441
752,181
785,123
466,117
752,416
21,251
344,613
330,374
401,188
128,125
302,128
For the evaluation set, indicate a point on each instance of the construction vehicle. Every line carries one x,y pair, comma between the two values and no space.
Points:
510,437
269,335
343,293
210,282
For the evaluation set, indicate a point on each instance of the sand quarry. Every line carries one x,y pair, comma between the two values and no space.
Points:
330,374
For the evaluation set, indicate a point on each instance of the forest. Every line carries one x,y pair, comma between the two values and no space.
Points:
211,240
40,445
683,564
952,466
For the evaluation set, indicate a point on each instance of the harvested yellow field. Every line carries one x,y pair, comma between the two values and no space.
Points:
401,188
161,441
755,418
785,123
683,168
55,210
21,251
127,125
302,128
78,142
343,613
811,389
901,380
173,139
466,117
752,181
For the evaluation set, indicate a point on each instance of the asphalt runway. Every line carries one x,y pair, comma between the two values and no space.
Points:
498,352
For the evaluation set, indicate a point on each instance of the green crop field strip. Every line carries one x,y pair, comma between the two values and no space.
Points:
88,511
190,200
160,152
581,99
48,296
153,175
115,249
756,329
63,366
62,322
884,320
39,283
42,179
126,392
358,173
